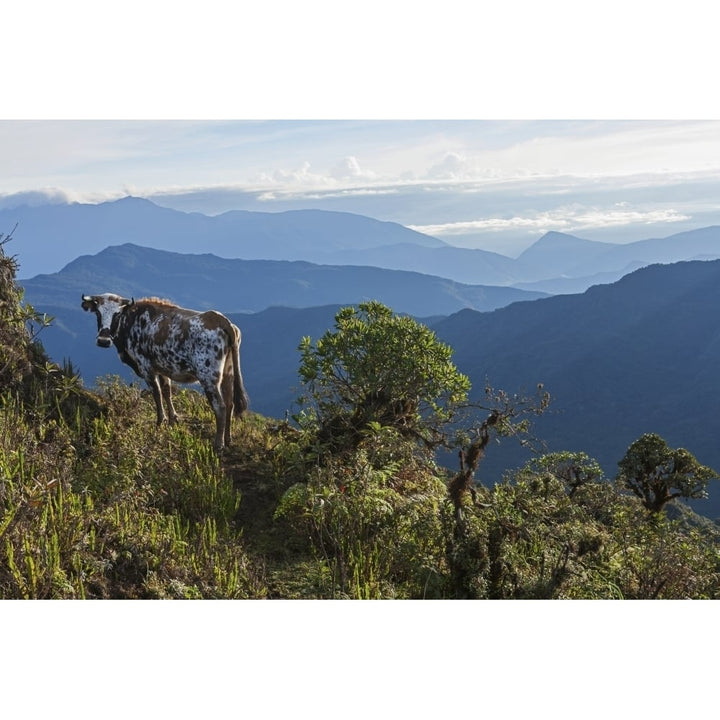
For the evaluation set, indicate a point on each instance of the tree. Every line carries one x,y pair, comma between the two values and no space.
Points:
658,474
474,548
379,368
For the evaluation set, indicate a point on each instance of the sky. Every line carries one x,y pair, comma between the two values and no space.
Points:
486,128
494,184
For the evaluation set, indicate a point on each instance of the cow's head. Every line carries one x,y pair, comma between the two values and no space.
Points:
107,308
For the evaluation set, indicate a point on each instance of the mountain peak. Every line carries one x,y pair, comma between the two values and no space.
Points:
558,252
555,239
131,200
558,241
555,243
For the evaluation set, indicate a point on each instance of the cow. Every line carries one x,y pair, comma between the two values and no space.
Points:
162,342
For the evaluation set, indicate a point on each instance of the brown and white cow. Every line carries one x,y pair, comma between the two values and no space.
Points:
162,342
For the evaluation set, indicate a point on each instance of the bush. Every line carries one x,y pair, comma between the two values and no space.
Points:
373,519
377,367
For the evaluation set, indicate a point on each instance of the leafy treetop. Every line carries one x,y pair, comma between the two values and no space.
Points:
378,367
658,474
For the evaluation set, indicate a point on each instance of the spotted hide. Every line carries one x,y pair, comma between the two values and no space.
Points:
162,342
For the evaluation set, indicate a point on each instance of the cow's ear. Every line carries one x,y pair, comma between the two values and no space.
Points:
88,303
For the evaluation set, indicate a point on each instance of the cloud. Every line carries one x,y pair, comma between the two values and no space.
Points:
349,169
299,176
453,166
562,219
51,196
345,173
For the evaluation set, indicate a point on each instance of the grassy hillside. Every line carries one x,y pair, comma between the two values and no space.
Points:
97,502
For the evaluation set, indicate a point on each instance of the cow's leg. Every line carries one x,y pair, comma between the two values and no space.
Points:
215,398
154,384
228,390
166,389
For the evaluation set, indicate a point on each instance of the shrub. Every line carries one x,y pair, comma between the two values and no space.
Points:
373,518
378,367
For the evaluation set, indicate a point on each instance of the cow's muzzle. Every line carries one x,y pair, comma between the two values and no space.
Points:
104,339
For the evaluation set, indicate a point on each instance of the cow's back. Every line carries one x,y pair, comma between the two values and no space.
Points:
173,341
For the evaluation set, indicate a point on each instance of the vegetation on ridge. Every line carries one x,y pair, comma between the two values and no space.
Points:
348,501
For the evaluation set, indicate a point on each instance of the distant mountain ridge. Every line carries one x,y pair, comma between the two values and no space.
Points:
571,256
232,285
50,236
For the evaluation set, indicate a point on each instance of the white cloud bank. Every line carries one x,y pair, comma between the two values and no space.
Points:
562,219
55,196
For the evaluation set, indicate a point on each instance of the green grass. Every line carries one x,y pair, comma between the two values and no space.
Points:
128,510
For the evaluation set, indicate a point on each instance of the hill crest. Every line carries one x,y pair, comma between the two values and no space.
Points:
236,285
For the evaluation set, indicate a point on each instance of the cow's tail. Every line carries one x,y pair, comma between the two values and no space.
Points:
240,398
